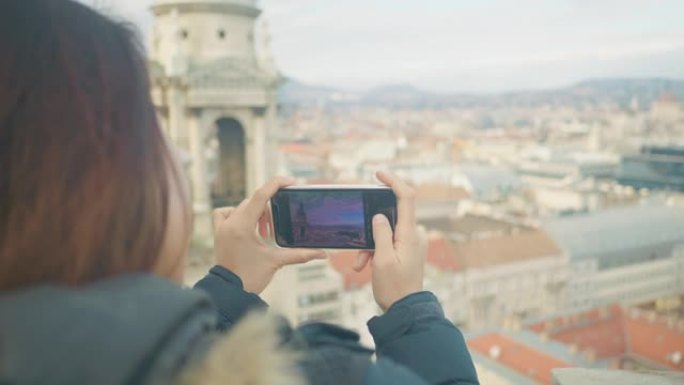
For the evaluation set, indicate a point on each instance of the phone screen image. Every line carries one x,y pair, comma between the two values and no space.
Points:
329,218
333,217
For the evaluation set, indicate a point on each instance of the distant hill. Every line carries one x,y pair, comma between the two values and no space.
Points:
589,92
294,92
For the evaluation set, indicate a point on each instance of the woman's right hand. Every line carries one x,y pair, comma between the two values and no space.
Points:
398,258
241,250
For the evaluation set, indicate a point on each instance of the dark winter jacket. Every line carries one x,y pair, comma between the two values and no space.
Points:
140,329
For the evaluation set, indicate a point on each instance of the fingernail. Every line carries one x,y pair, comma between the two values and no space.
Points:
379,219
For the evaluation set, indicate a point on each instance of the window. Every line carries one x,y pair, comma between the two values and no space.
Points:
221,34
184,33
325,315
305,300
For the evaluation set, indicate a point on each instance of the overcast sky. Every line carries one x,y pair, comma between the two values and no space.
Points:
466,45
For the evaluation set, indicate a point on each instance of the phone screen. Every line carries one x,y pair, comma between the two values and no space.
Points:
330,217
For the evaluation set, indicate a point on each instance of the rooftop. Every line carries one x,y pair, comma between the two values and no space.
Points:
503,249
488,182
579,376
657,340
512,353
441,255
315,150
439,192
598,330
644,337
483,361
617,230
469,225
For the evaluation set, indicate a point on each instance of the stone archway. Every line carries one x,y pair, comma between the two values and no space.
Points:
229,186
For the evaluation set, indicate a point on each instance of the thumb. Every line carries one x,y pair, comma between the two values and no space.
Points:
382,234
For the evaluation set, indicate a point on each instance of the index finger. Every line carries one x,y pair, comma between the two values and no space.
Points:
406,206
257,203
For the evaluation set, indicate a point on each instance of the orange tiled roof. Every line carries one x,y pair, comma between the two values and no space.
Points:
667,97
616,333
655,338
440,192
470,225
508,248
304,148
598,330
515,355
441,255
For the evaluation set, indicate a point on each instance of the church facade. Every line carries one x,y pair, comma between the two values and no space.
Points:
215,89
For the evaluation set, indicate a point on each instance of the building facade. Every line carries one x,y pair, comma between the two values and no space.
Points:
308,292
214,88
507,292
623,255
655,167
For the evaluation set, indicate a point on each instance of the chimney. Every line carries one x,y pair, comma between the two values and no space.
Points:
495,352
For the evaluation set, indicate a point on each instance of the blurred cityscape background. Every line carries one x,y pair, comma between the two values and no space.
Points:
545,140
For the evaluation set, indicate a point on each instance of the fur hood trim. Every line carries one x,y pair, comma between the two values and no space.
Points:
250,354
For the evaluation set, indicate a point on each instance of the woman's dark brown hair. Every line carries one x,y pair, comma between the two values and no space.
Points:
84,168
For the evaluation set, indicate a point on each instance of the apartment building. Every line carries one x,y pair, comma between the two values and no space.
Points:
308,292
511,277
446,279
623,255
358,304
505,271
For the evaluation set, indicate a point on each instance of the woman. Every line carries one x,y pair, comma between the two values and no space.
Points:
94,224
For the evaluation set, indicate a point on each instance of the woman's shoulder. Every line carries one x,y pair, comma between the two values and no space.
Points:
117,330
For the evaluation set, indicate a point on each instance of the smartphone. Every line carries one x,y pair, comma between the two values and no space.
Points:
330,216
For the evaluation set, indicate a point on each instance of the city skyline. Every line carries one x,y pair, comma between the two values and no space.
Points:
532,202
333,209
464,46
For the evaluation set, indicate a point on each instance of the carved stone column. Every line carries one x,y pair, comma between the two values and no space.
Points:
260,154
177,123
201,199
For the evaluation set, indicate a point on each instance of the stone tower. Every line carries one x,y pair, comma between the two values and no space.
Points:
215,92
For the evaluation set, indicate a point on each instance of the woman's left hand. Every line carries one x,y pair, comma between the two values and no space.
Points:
239,248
